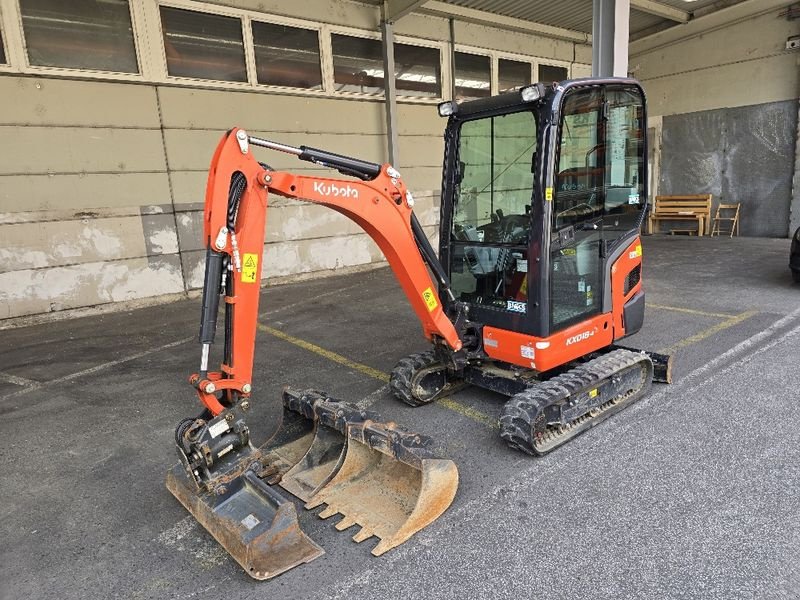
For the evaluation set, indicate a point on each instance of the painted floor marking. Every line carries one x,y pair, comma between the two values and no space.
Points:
31,385
95,369
529,472
22,381
448,403
690,311
705,333
333,356
469,412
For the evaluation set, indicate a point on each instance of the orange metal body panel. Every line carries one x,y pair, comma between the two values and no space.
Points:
630,259
573,342
379,206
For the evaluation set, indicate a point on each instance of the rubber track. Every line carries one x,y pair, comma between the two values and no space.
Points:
400,380
516,421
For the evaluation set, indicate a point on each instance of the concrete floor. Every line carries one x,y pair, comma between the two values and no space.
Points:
691,493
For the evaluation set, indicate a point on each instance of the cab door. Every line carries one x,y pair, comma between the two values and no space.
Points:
597,196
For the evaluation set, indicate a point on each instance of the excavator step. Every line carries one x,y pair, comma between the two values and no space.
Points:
377,475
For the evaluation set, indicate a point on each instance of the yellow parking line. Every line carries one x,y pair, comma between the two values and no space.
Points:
468,412
337,358
448,403
729,322
690,311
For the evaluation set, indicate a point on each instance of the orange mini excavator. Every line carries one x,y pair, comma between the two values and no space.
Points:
538,277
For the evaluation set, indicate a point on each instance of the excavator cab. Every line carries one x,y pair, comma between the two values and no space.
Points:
539,197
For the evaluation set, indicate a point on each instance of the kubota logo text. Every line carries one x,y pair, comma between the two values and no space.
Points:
580,337
331,189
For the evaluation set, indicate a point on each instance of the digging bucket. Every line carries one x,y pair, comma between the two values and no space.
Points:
254,523
326,453
389,483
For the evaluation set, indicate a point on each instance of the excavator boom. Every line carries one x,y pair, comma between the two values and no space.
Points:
377,475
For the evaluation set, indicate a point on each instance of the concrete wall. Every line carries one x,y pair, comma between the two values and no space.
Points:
102,182
722,94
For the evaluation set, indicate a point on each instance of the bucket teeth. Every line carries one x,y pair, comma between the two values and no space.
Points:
345,523
375,474
389,482
363,535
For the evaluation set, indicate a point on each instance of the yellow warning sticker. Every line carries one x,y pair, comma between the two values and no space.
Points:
593,393
430,299
548,194
249,268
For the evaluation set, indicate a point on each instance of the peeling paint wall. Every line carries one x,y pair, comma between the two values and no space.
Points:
102,182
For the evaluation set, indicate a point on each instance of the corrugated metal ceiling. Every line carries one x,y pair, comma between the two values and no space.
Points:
577,14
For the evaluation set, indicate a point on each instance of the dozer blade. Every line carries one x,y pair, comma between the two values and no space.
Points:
389,484
254,523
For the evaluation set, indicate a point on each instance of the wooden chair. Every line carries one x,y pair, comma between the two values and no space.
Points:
726,214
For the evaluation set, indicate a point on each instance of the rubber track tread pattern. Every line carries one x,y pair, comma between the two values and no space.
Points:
402,374
516,421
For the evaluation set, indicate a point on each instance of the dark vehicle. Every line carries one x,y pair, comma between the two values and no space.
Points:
794,256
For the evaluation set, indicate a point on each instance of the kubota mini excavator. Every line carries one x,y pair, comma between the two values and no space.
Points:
538,276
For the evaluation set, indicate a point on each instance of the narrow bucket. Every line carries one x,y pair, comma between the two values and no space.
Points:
290,442
389,484
253,522
326,454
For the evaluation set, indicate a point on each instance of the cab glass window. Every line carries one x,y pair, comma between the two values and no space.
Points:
491,219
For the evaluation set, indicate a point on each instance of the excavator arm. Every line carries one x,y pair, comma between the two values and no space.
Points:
234,225
378,476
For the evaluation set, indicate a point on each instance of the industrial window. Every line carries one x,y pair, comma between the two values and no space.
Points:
417,71
551,73
357,64
202,45
79,34
358,67
287,56
512,74
472,76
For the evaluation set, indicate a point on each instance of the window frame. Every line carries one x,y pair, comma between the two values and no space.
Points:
137,27
398,39
151,54
477,52
4,42
221,11
297,25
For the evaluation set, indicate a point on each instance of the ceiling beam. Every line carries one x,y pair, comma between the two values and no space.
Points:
661,10
397,9
470,15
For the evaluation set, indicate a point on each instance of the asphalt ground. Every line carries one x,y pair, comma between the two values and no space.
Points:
690,493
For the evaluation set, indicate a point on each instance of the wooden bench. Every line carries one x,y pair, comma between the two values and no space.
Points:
696,207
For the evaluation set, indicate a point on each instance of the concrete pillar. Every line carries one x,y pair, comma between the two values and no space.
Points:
387,35
610,38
